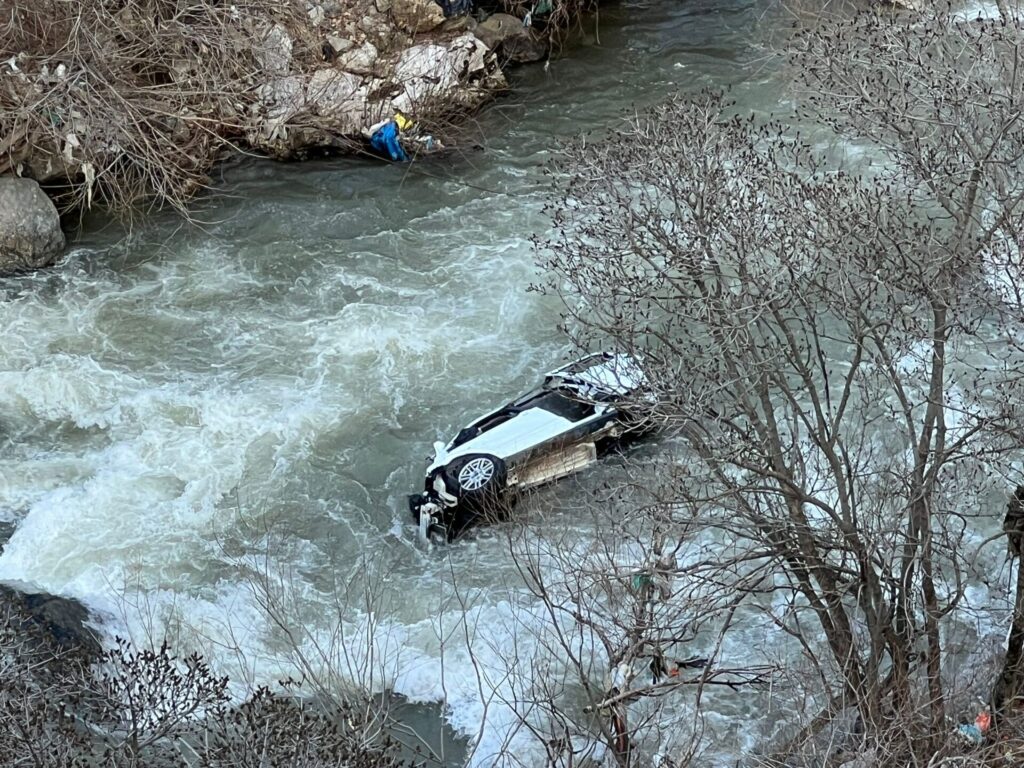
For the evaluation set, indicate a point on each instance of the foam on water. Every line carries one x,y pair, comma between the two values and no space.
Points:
178,404
186,415
982,10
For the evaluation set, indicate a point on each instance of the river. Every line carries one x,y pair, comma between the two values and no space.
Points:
188,412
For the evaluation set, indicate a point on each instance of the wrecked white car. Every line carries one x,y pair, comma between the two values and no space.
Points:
551,431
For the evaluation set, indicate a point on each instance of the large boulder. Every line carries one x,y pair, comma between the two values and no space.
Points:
30,235
340,97
460,73
417,15
278,102
61,623
274,53
510,40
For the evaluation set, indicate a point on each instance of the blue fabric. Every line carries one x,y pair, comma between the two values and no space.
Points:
455,7
385,141
971,733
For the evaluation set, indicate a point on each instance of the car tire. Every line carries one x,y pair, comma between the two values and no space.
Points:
480,480
478,475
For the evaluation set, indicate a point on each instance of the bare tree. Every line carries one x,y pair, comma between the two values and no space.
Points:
616,616
829,344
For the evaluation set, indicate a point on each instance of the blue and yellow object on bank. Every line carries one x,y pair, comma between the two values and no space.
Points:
384,137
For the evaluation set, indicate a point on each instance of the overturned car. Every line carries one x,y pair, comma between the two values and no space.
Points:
549,432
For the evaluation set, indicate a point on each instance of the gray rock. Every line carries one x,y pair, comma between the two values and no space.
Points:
274,53
59,621
458,24
278,101
510,40
339,44
374,26
340,97
333,8
462,72
867,759
316,14
417,15
360,60
30,235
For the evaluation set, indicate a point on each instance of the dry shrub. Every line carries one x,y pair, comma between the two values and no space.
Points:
148,707
565,15
564,18
128,100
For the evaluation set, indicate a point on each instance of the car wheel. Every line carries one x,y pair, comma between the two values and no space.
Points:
480,480
479,474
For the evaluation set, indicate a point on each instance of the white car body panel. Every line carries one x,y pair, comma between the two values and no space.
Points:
533,426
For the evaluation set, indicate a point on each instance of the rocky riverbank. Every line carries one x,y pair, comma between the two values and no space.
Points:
127,105
60,623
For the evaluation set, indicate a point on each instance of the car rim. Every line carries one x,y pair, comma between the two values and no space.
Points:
476,474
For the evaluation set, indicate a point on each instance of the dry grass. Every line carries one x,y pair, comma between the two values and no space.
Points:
130,100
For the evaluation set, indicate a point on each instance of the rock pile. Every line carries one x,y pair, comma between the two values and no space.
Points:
325,105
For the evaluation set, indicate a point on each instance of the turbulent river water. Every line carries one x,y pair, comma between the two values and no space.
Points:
187,411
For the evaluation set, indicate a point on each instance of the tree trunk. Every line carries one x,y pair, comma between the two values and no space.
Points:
1008,684
936,703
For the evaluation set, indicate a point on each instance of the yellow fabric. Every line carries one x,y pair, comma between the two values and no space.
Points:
402,121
